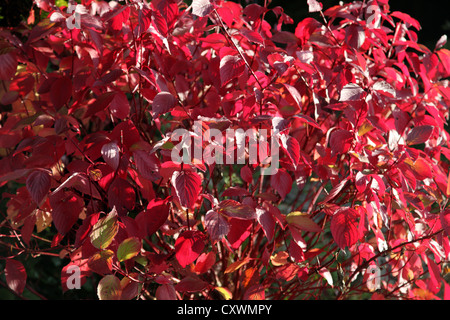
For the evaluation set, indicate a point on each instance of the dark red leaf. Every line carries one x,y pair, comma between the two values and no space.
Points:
66,208
121,195
60,92
419,134
119,106
191,283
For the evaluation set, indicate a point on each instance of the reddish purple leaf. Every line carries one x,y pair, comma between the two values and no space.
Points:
16,275
419,134
344,227
38,184
351,92
119,106
121,195
166,292
216,225
267,222
187,185
231,67
281,182
8,65
155,216
60,92
188,246
340,141
253,36
163,103
355,37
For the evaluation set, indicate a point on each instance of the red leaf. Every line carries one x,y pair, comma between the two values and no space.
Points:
16,275
231,67
60,92
216,225
38,184
281,182
163,103
155,216
344,227
204,262
187,185
111,154
202,8
166,292
147,164
340,141
119,106
188,246
445,220
239,232
354,37
406,18
66,207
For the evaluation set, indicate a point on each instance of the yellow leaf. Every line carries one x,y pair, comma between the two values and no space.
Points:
279,258
236,265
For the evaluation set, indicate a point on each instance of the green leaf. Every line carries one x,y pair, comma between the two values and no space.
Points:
105,230
129,248
302,221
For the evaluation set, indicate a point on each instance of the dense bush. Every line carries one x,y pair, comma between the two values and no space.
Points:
93,97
